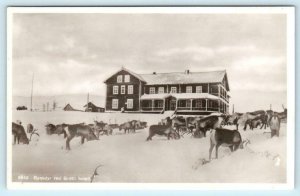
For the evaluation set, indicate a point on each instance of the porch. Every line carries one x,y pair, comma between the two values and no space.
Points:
182,102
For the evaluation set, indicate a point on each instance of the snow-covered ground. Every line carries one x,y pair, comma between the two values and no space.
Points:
129,158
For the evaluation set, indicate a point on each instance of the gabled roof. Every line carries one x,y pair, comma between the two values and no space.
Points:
184,78
91,105
179,77
130,72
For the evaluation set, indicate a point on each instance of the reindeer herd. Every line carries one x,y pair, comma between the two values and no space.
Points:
86,132
173,127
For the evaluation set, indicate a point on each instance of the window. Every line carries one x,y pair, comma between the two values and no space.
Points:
115,104
161,90
120,78
189,89
152,90
173,90
160,103
115,90
129,103
127,78
198,103
198,89
130,89
123,89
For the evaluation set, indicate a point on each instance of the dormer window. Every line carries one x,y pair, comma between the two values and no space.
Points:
119,79
189,89
152,90
127,78
161,90
173,90
198,89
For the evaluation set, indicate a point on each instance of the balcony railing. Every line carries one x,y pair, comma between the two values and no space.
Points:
199,108
152,109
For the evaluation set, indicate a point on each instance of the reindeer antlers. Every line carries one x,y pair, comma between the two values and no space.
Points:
32,133
95,173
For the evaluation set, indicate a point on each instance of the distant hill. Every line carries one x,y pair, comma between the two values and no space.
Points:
77,101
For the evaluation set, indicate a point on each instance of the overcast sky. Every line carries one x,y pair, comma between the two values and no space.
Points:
75,53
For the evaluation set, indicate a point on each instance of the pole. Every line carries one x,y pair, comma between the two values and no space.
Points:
87,102
31,92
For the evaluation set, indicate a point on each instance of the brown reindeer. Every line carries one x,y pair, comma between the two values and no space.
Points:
50,128
164,130
224,137
99,127
128,126
79,130
19,134
207,123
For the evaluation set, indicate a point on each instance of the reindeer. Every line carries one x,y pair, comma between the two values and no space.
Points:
128,126
80,130
50,128
233,119
275,125
99,127
225,137
19,134
207,123
247,118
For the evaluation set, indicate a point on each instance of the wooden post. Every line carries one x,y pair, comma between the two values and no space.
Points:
31,92
140,94
152,104
206,104
219,105
191,104
208,88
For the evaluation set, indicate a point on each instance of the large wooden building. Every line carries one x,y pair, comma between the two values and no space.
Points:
183,92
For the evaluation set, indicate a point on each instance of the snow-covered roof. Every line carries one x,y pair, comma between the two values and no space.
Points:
184,78
179,96
154,96
194,96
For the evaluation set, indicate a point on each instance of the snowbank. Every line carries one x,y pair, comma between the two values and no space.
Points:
129,158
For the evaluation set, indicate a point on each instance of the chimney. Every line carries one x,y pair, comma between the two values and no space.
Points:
154,73
187,71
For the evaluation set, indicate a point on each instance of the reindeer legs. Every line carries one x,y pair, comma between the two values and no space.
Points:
217,147
211,149
82,139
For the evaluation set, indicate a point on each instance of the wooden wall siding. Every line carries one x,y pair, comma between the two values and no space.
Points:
112,81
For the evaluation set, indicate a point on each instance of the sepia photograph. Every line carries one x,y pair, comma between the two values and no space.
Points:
150,97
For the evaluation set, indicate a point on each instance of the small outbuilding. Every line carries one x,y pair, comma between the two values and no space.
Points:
68,107
90,107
